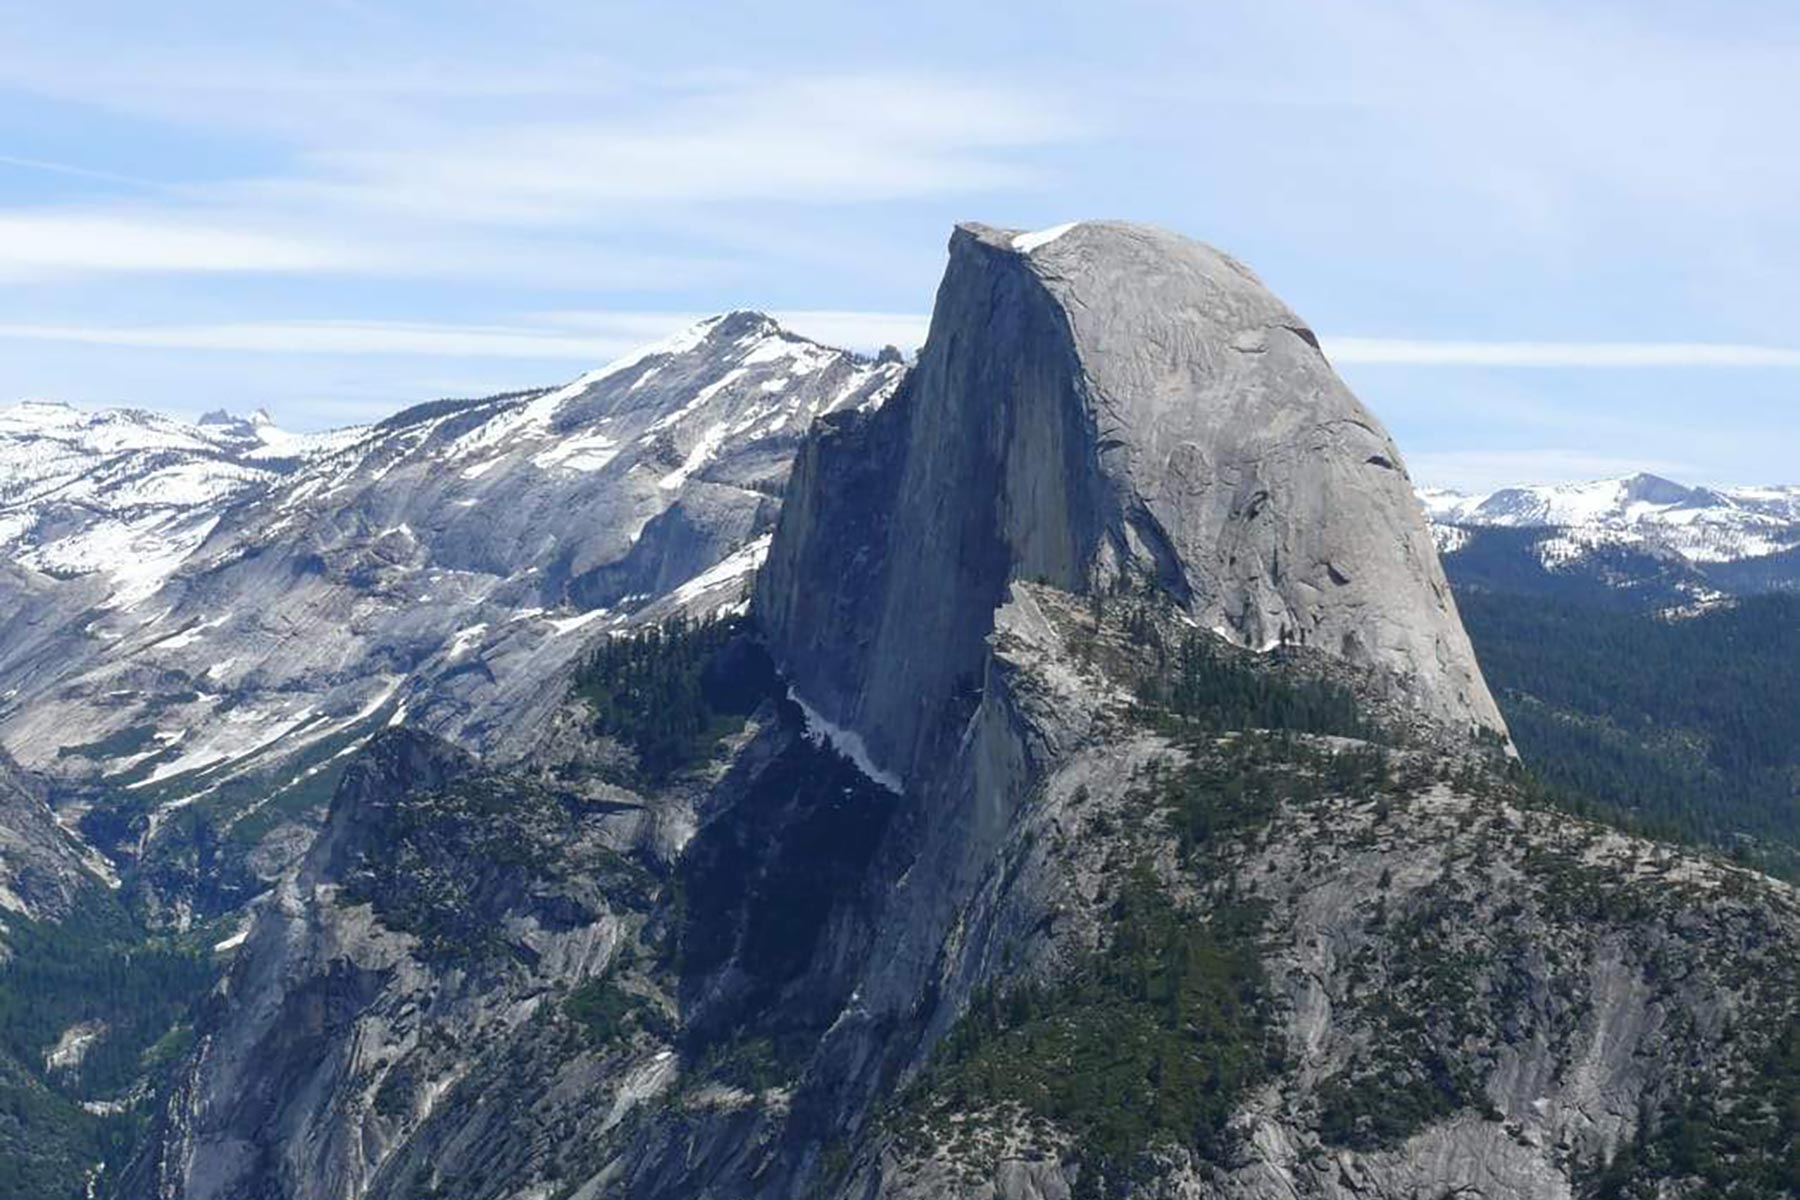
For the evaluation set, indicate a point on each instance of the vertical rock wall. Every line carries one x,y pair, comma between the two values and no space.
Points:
1100,403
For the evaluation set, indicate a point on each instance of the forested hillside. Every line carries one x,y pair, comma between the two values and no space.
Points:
1686,728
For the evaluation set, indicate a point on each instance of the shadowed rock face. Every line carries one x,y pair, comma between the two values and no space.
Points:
1112,404
42,868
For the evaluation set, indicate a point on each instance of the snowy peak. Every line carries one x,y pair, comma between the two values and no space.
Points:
112,429
135,494
128,492
1700,524
258,427
433,569
698,405
1644,488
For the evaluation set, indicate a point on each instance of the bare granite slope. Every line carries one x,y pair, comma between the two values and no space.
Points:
1101,407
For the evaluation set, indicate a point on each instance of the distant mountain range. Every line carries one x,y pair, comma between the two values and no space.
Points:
131,493
1640,637
1641,535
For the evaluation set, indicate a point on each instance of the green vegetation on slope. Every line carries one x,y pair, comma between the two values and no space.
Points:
1153,1039
1736,1141
608,1013
133,991
203,845
672,692
1686,729
1197,682
447,865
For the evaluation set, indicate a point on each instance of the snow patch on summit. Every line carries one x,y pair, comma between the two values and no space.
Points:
1025,243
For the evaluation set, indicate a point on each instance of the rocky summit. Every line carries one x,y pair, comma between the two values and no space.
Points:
1104,407
1098,796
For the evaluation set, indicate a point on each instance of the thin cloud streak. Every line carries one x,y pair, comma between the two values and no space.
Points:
59,245
582,335
36,244
342,337
808,141
849,329
1550,355
46,167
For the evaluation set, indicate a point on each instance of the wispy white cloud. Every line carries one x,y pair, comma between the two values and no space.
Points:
803,141
343,337
850,329
34,244
581,335
430,190
168,239
576,337
269,89
73,171
1416,353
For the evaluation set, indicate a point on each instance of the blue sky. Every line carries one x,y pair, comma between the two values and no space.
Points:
1542,241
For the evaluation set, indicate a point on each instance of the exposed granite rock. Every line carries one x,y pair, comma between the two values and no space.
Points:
1573,984
43,868
1578,984
440,569
1109,406
1439,988
416,959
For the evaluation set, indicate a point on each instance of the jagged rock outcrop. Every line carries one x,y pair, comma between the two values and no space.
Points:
43,868
416,951
1101,406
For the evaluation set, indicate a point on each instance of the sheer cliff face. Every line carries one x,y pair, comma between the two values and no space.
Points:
1103,405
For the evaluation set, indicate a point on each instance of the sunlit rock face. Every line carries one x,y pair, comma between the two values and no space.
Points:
1099,407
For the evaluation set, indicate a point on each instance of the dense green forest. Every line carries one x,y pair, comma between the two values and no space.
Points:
1687,728
133,992
671,692
1203,686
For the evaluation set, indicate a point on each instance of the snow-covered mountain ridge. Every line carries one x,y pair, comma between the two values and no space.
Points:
131,493
1699,525
437,569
